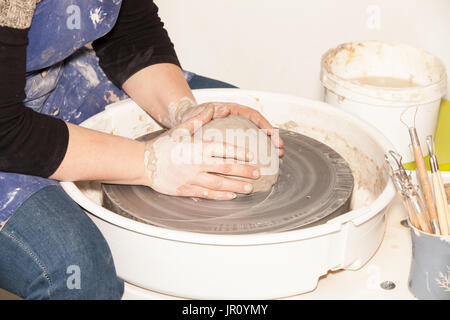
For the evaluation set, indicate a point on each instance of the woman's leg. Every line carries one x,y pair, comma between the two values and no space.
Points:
50,249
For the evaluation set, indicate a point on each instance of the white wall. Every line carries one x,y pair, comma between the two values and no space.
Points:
277,45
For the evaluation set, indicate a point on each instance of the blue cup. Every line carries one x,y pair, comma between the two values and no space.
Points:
429,277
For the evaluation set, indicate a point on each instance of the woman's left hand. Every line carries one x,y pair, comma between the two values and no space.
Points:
223,109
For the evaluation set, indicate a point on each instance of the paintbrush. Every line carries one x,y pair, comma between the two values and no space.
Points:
447,190
398,179
447,196
445,201
408,194
419,208
411,212
423,175
438,187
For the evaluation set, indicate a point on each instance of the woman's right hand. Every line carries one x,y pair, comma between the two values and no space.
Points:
178,165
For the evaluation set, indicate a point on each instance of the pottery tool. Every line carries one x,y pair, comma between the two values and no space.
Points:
417,204
422,172
447,190
399,178
408,193
315,185
438,187
446,195
411,212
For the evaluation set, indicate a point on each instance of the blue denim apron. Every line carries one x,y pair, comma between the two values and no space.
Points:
63,77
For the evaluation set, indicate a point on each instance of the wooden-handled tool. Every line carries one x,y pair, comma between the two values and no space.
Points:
424,181
397,180
417,204
417,213
446,197
439,191
447,190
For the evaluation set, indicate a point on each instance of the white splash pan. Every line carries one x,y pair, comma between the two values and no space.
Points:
256,266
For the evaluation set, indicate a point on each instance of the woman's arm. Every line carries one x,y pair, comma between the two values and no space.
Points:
30,142
138,56
92,155
161,91
37,144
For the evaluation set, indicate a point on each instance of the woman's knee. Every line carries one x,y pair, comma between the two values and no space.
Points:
74,257
84,266
86,276
86,271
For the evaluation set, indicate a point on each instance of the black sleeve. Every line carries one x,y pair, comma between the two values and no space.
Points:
137,40
30,143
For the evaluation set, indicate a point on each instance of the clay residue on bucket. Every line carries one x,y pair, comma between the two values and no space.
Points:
351,69
385,82
370,179
330,56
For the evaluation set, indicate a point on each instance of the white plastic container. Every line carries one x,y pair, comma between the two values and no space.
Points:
256,266
382,106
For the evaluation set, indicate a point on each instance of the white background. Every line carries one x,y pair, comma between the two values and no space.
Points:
276,45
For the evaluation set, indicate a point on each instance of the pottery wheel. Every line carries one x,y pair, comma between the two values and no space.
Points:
315,185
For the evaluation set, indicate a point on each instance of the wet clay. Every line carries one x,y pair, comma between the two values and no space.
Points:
244,133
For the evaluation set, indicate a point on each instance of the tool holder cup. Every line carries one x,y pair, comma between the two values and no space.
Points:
429,277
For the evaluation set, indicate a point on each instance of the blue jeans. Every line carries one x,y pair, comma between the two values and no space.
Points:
50,248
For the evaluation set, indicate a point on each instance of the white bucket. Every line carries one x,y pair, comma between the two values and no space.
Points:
425,83
253,266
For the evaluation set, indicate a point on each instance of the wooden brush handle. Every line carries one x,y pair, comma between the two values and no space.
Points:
447,190
424,219
411,213
445,202
439,194
423,175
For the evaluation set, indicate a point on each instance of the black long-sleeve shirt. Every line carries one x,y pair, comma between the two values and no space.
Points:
35,144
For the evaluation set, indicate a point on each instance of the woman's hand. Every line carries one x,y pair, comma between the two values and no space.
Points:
223,109
162,92
181,166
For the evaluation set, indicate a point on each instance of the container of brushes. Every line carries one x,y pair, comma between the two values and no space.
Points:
429,276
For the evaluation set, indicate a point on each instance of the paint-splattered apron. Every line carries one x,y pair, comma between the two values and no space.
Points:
63,77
